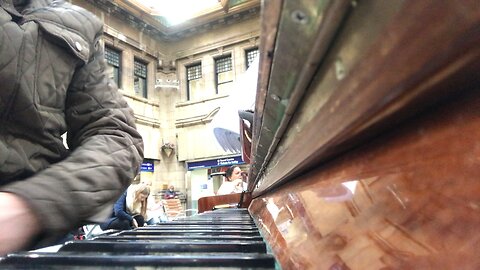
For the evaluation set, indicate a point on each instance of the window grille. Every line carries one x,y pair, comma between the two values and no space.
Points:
223,64
140,78
140,69
112,57
251,55
194,72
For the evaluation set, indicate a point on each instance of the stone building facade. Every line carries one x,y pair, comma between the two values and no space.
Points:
176,79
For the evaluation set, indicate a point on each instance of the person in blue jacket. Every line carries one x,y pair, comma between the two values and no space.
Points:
170,193
129,211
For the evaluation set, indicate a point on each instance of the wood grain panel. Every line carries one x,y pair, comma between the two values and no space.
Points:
426,49
207,203
409,199
302,25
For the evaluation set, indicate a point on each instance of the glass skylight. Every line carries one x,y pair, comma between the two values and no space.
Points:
178,11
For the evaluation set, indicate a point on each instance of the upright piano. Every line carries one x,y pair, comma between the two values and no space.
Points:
365,150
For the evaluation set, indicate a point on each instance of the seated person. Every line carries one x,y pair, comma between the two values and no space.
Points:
170,193
233,182
155,211
129,211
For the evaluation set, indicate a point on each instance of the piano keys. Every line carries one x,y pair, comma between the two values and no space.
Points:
226,238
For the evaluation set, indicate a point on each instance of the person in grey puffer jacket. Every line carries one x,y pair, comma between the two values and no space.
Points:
53,81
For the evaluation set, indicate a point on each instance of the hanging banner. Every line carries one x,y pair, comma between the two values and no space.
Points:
214,163
147,166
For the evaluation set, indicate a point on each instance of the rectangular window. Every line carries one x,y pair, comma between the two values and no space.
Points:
250,55
140,78
194,74
223,64
224,73
113,58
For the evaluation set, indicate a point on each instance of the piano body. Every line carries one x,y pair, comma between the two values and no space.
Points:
365,150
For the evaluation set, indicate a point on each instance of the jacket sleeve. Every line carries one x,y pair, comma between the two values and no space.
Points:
106,153
119,209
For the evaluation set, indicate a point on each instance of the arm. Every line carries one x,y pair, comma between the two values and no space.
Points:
17,224
238,186
106,154
225,188
120,208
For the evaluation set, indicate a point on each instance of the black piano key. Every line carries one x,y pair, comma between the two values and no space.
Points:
144,247
48,260
212,219
198,224
174,237
192,227
192,232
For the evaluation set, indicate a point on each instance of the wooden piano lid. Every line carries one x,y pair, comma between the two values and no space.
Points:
366,135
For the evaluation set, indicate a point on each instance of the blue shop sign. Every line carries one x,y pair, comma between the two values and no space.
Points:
215,163
147,166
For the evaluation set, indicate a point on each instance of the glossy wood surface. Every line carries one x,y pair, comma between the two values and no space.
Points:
398,58
408,199
207,203
296,35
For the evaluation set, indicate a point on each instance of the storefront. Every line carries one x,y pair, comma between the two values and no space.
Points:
204,176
